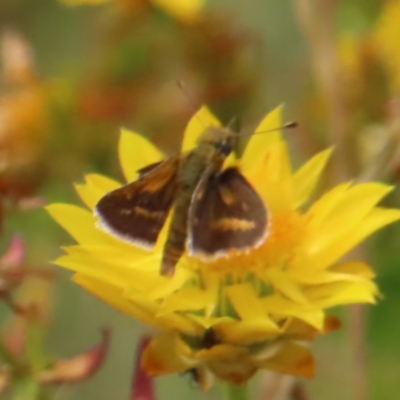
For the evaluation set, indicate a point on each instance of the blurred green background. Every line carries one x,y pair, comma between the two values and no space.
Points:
101,69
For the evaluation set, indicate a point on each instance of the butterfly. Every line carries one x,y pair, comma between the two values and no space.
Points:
215,210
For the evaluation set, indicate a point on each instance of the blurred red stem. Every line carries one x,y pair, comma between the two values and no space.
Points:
142,383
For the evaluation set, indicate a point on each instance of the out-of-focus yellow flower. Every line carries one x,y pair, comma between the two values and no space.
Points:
80,2
385,36
184,10
365,79
23,113
351,62
23,117
230,317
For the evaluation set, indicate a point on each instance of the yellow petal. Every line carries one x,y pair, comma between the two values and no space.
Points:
162,237
87,194
355,204
235,371
344,218
211,282
135,152
376,219
81,225
272,178
348,271
221,352
169,322
257,145
113,296
131,257
282,282
170,285
117,272
339,293
296,329
202,120
189,298
101,182
87,267
318,277
245,302
281,307
231,161
306,178
205,321
95,188
292,359
160,357
322,207
247,332
355,268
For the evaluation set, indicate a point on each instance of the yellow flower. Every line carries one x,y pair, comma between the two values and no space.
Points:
230,317
385,35
184,10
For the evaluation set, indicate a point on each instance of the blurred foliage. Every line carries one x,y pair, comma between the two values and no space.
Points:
91,70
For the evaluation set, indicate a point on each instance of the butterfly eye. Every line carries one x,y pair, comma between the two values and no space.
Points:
224,147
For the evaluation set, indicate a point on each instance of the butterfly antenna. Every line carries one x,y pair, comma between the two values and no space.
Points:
191,101
234,124
288,125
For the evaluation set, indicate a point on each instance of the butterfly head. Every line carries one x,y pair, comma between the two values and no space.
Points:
219,139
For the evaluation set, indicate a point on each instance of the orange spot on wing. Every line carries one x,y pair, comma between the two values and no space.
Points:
232,224
149,214
228,197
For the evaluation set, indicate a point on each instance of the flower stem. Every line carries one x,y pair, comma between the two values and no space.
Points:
26,388
236,392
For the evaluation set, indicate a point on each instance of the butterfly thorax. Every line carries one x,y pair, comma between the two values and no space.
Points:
211,150
205,160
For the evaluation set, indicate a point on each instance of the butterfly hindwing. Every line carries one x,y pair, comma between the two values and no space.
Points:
137,211
226,214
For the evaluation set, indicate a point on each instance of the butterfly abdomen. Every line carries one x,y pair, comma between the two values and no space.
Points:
177,234
191,171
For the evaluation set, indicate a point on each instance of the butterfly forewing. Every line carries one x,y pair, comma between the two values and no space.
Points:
137,211
149,168
226,214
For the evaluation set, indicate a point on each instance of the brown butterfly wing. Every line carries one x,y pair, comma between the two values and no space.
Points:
137,211
226,214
